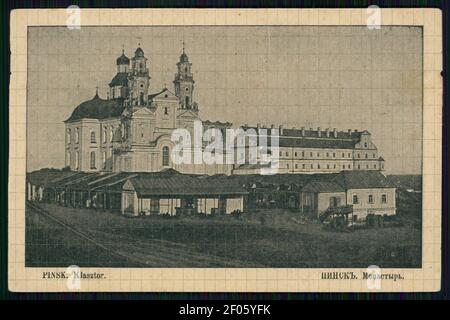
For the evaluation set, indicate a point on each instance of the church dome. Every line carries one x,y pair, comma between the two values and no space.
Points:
184,57
120,79
123,59
97,108
139,52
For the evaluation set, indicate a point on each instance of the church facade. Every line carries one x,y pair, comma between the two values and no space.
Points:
131,131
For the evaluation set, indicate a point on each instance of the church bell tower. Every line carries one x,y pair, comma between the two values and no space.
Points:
184,82
139,79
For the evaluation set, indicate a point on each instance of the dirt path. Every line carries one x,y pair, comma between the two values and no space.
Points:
144,253
157,253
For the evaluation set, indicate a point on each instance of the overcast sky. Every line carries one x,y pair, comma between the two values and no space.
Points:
337,77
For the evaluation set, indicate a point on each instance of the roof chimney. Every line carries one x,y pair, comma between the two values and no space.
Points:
334,132
272,126
319,132
281,130
349,131
303,131
327,131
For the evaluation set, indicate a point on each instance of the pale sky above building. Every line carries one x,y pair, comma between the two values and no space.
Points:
328,77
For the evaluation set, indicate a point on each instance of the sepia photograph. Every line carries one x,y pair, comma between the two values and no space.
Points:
224,146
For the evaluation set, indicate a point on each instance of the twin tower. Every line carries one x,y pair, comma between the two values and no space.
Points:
132,82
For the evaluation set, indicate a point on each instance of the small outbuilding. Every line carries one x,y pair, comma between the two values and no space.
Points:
170,192
318,196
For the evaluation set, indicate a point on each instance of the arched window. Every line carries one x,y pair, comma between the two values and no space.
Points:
77,160
93,137
104,159
104,134
77,135
187,101
166,111
68,159
142,132
92,159
165,156
111,134
68,136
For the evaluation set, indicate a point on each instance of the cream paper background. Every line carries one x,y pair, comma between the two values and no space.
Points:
229,279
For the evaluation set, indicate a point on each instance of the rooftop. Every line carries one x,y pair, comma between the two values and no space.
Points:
171,182
120,79
363,179
97,108
123,59
168,183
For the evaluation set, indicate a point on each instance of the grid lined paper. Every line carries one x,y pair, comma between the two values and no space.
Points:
426,278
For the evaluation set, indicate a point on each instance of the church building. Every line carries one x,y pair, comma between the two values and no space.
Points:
130,131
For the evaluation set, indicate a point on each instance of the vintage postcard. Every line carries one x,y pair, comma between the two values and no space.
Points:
225,150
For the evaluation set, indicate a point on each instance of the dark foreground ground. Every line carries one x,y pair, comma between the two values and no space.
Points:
105,239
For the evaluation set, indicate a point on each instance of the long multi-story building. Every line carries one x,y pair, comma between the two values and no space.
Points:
322,150
131,131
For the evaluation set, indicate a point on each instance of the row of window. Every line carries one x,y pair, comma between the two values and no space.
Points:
93,135
318,166
330,166
92,161
326,154
368,166
77,135
370,199
165,157
358,155
77,159
311,154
